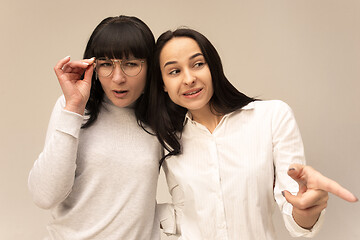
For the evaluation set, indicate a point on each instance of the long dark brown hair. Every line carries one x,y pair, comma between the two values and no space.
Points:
165,117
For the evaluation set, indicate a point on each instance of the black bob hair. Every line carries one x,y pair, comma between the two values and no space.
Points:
118,37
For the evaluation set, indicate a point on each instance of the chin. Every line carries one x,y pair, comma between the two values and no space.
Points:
118,103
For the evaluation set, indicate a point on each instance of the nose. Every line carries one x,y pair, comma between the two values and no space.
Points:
118,75
189,77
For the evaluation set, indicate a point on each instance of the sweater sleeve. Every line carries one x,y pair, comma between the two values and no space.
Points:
287,149
52,175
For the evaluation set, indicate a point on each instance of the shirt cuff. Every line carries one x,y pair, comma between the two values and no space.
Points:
294,229
70,123
166,214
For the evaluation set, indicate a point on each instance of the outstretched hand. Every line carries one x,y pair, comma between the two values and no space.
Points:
75,89
313,194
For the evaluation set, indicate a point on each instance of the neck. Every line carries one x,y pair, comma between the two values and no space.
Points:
210,119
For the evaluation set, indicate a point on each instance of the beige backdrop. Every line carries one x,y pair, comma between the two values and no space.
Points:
306,53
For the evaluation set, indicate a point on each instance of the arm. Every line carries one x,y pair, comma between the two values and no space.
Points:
302,213
52,176
288,149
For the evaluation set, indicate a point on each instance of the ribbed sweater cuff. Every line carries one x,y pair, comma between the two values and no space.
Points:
70,123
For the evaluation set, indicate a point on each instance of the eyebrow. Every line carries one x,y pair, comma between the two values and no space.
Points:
192,57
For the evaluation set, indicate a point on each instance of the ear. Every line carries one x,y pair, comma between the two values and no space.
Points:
165,89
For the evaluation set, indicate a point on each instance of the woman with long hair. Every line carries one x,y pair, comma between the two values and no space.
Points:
229,157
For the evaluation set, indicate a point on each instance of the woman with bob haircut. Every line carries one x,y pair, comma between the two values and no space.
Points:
229,156
98,170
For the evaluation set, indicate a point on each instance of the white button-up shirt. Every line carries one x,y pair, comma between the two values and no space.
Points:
224,184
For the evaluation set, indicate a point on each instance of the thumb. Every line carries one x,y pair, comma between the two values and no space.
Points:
289,197
295,171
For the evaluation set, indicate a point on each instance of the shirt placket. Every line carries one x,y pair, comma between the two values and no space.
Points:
221,227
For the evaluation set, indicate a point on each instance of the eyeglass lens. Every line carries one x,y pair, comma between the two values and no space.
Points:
105,67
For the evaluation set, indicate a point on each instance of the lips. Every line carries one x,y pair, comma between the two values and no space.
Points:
120,93
192,92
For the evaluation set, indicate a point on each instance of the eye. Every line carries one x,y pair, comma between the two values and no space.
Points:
131,63
104,63
199,64
174,72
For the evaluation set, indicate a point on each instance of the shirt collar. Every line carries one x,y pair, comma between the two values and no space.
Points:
188,117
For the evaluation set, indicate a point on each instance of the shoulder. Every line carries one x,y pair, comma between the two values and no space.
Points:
271,105
263,111
266,106
274,108
277,109
279,112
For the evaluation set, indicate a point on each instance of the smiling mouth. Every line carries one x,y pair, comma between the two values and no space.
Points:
193,92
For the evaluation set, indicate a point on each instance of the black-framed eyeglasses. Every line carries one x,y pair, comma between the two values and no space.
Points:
104,67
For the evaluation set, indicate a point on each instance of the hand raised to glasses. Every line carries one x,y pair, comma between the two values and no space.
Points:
75,89
313,194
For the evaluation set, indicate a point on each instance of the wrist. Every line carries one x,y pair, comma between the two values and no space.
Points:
79,109
305,219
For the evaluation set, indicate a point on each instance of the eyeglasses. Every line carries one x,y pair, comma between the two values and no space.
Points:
104,67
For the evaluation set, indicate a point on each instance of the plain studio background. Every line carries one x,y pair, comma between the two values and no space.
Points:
306,53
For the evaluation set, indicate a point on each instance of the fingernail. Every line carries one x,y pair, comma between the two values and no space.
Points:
67,57
92,59
291,169
282,192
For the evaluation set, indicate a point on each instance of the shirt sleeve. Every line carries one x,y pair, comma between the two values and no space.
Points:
170,213
52,175
287,149
166,214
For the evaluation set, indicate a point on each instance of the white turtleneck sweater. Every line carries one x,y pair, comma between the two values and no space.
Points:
99,182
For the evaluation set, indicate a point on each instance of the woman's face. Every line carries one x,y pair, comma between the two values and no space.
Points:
121,89
186,75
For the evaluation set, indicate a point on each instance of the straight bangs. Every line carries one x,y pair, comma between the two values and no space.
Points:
118,41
